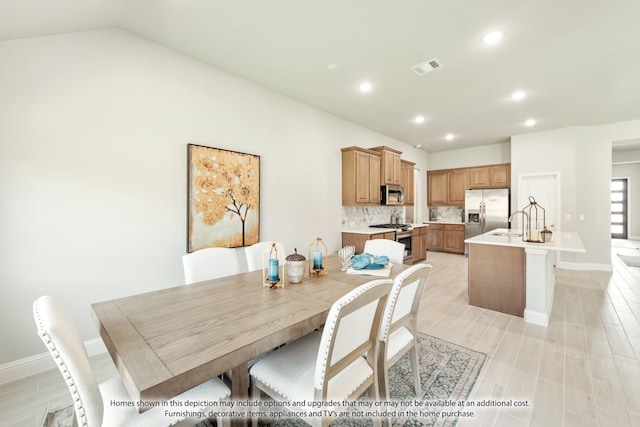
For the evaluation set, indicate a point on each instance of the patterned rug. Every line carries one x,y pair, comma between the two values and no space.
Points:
448,372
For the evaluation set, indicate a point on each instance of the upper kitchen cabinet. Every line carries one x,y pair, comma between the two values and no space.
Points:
494,176
446,187
390,170
407,181
437,184
457,183
360,177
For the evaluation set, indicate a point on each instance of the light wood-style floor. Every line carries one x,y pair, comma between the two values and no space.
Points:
582,370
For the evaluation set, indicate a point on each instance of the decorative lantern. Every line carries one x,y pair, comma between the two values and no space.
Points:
317,258
295,267
273,273
536,222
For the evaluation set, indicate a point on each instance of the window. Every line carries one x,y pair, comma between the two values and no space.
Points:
619,208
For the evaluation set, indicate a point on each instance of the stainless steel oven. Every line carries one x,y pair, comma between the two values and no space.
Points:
405,237
402,235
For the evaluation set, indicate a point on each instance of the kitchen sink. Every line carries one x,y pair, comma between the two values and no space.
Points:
507,234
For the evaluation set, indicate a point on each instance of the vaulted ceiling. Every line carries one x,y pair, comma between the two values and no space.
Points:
577,61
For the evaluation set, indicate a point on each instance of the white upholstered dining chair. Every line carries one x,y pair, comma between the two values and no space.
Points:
210,263
92,401
398,328
378,247
329,365
256,251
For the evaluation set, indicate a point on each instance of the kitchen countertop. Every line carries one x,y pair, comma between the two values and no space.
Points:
445,222
367,230
563,241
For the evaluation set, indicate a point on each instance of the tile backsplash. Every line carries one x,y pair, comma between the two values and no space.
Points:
447,213
363,216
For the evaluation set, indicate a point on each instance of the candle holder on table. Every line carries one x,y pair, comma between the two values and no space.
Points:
317,258
273,274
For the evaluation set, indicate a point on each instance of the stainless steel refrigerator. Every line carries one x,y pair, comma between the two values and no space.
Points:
485,210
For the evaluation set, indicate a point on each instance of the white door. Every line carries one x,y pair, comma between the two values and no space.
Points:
545,189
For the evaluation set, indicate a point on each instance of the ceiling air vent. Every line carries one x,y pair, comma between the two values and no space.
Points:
425,67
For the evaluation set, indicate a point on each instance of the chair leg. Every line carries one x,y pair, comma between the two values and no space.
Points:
413,356
255,395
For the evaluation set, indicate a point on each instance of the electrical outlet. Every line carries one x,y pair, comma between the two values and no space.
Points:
581,217
567,217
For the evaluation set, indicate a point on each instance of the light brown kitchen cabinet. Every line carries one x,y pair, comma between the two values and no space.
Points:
453,238
435,235
446,187
407,181
437,188
419,244
390,170
457,184
492,176
445,237
358,239
360,177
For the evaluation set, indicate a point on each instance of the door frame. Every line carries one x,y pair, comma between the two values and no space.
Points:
626,207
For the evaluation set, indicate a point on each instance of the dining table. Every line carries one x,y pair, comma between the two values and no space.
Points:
167,341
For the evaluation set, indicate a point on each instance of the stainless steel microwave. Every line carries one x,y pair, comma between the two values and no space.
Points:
391,195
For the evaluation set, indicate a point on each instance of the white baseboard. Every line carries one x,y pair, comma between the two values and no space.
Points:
42,362
633,237
584,266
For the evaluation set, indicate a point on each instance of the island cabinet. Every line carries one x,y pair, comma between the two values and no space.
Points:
358,239
407,181
493,176
419,244
360,177
497,278
390,170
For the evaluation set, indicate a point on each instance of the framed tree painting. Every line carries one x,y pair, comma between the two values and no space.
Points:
223,198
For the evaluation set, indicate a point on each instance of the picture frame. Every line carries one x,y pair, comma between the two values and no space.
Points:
223,198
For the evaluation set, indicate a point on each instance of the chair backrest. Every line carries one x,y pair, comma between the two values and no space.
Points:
404,300
255,253
210,263
394,250
350,332
60,334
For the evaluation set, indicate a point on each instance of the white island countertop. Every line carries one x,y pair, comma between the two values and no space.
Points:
562,242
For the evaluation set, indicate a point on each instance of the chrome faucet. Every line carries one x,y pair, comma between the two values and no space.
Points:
526,216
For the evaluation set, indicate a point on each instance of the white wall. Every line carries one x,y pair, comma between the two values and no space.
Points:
468,157
583,157
93,135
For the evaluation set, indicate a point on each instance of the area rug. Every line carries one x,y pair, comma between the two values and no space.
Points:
448,372
630,261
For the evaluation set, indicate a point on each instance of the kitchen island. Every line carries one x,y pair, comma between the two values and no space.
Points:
516,277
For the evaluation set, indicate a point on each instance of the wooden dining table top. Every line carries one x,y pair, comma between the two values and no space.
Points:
168,341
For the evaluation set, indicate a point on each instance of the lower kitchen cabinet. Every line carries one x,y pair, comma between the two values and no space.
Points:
358,239
446,238
419,244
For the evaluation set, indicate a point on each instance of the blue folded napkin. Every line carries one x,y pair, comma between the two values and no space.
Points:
369,261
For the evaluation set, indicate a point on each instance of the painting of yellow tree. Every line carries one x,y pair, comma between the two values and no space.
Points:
224,198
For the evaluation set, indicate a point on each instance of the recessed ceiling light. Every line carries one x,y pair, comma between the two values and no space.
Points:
530,122
492,37
449,137
418,145
332,66
518,95
419,119
365,87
